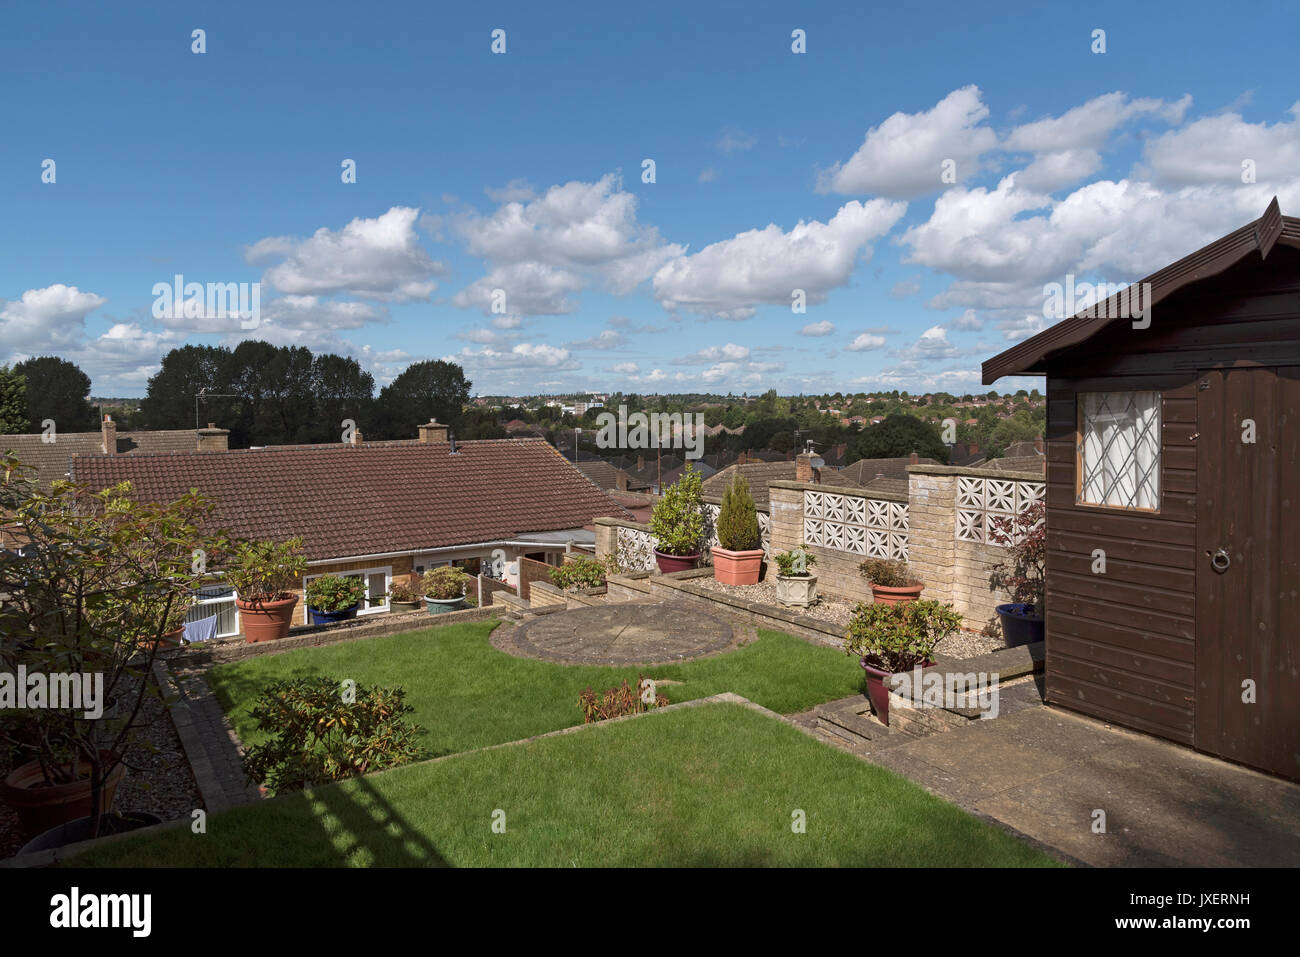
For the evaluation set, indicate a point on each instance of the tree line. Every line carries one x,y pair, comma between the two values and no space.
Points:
264,394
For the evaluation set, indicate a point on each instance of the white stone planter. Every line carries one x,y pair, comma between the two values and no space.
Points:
798,591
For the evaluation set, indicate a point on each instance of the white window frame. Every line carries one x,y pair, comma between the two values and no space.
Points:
1142,500
231,598
364,573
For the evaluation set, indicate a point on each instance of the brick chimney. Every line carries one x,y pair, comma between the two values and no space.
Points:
913,459
213,439
1038,445
433,433
620,480
640,462
356,438
108,428
803,470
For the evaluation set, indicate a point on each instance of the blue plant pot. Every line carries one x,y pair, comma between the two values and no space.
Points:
1020,624
330,617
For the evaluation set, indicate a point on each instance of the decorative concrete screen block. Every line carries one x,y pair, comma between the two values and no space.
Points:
981,501
635,549
855,524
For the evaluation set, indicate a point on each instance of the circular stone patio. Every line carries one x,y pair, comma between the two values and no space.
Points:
623,634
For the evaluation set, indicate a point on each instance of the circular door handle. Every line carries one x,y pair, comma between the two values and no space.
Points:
1220,561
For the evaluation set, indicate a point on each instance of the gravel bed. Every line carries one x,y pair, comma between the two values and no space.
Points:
837,610
158,778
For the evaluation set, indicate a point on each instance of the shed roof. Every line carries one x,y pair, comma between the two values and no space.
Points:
1029,357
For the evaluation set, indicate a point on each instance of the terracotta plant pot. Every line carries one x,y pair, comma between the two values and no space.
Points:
266,620
40,808
330,617
877,693
797,591
170,639
1020,625
739,567
675,563
890,595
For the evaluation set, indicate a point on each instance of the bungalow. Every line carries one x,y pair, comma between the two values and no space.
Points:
381,511
1173,538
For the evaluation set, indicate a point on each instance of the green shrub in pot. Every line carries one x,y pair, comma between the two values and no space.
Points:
677,522
891,638
334,593
578,573
445,583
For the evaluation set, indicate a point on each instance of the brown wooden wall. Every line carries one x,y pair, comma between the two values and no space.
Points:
1121,646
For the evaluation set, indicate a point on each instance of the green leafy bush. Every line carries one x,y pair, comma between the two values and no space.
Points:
319,732
738,520
888,573
620,701
403,591
795,563
580,572
445,583
897,637
331,593
266,571
677,521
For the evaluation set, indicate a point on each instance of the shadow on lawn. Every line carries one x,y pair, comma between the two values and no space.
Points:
359,809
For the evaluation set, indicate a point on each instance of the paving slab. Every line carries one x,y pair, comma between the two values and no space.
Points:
1046,772
628,633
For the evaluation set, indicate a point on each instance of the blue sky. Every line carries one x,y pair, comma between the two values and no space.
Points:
522,172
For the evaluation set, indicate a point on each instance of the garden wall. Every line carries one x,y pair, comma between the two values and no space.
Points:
940,527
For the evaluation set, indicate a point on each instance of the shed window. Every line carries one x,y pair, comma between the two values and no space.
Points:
1119,455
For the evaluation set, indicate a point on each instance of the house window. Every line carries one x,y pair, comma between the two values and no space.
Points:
376,599
216,600
1119,449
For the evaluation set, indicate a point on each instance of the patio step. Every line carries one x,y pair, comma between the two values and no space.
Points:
850,720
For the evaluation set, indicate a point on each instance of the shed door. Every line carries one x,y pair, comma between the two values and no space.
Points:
1248,567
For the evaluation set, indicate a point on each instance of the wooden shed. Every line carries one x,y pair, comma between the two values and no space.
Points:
1173,500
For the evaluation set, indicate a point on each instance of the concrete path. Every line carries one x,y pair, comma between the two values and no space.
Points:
1046,773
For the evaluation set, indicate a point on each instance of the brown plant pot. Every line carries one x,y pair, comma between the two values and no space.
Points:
738,567
877,693
675,563
403,606
171,639
40,808
889,595
266,620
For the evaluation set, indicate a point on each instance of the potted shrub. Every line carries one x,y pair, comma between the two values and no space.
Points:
677,523
1022,576
101,580
444,589
403,596
892,582
738,556
263,575
795,584
332,598
889,638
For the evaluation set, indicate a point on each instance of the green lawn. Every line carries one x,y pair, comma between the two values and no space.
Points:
468,695
716,784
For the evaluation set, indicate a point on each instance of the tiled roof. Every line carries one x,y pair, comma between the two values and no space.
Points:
600,472
371,499
865,470
52,460
1017,463
759,474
